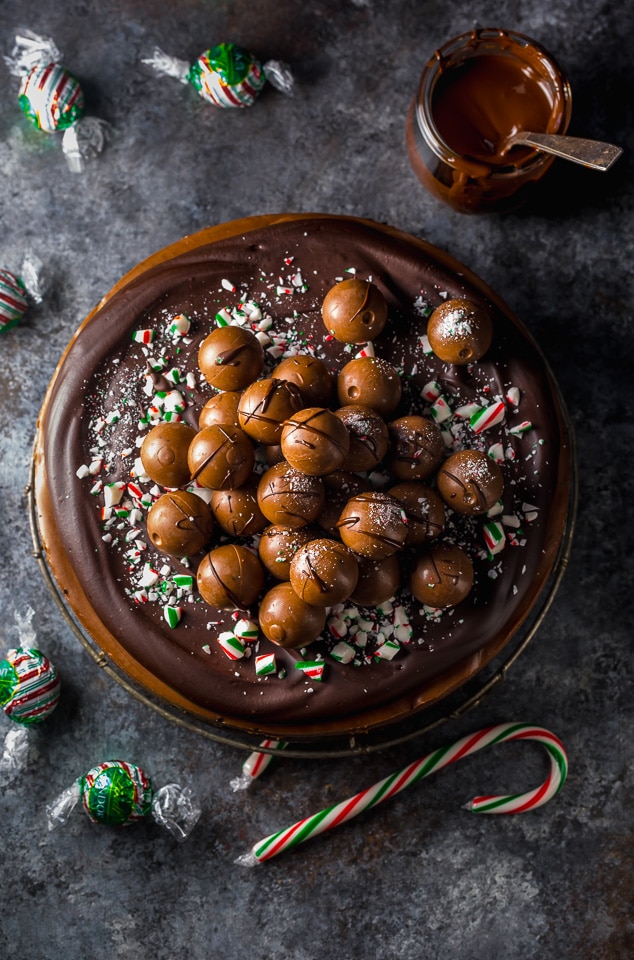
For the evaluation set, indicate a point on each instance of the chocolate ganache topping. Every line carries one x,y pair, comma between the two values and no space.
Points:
269,275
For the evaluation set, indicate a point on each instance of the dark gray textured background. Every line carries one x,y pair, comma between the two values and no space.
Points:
418,877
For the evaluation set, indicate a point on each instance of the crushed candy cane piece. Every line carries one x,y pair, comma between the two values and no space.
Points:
387,650
265,664
521,428
440,410
488,417
247,630
172,615
494,536
231,645
343,652
431,391
143,336
314,669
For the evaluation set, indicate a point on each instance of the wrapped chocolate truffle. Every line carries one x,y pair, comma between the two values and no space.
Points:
230,577
52,98
226,75
442,576
460,331
287,620
289,497
265,405
315,441
29,684
180,523
470,482
29,691
230,358
16,291
118,793
221,458
324,572
354,311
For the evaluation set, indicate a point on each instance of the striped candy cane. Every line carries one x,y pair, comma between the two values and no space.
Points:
385,789
256,763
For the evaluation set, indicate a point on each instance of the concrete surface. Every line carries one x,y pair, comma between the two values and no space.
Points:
418,877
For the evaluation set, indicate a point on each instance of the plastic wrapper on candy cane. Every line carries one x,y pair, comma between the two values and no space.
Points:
53,100
117,793
225,75
333,816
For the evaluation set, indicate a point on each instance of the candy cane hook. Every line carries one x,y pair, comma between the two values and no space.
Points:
385,789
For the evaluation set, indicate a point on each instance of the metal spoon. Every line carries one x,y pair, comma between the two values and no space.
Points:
589,153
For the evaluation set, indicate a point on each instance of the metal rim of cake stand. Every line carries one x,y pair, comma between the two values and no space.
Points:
457,704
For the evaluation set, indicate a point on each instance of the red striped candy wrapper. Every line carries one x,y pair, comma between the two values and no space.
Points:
333,816
225,75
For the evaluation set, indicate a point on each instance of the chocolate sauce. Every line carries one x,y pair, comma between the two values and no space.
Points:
475,93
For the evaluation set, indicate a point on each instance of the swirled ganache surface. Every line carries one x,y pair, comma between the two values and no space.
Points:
126,368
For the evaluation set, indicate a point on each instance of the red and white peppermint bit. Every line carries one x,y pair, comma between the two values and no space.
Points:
488,417
385,789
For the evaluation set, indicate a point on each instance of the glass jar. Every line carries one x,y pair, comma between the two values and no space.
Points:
475,92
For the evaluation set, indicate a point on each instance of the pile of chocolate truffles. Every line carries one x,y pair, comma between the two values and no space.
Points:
325,535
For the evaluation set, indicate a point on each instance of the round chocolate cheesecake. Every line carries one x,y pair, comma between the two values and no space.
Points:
133,366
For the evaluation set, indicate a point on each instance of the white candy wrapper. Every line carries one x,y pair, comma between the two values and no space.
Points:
225,75
52,98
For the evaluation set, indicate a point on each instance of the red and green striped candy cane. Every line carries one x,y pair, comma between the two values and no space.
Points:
385,789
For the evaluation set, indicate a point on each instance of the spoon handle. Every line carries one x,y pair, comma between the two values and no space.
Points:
589,153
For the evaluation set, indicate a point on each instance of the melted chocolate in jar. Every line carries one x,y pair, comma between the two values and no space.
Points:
483,101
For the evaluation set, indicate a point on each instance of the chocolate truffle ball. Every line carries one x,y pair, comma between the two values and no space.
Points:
372,382
221,457
278,545
460,331
238,511
324,572
373,525
164,453
470,482
273,454
289,497
423,508
221,408
180,523
442,576
230,577
368,434
287,620
315,441
230,358
311,375
265,405
354,311
378,581
339,487
416,448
